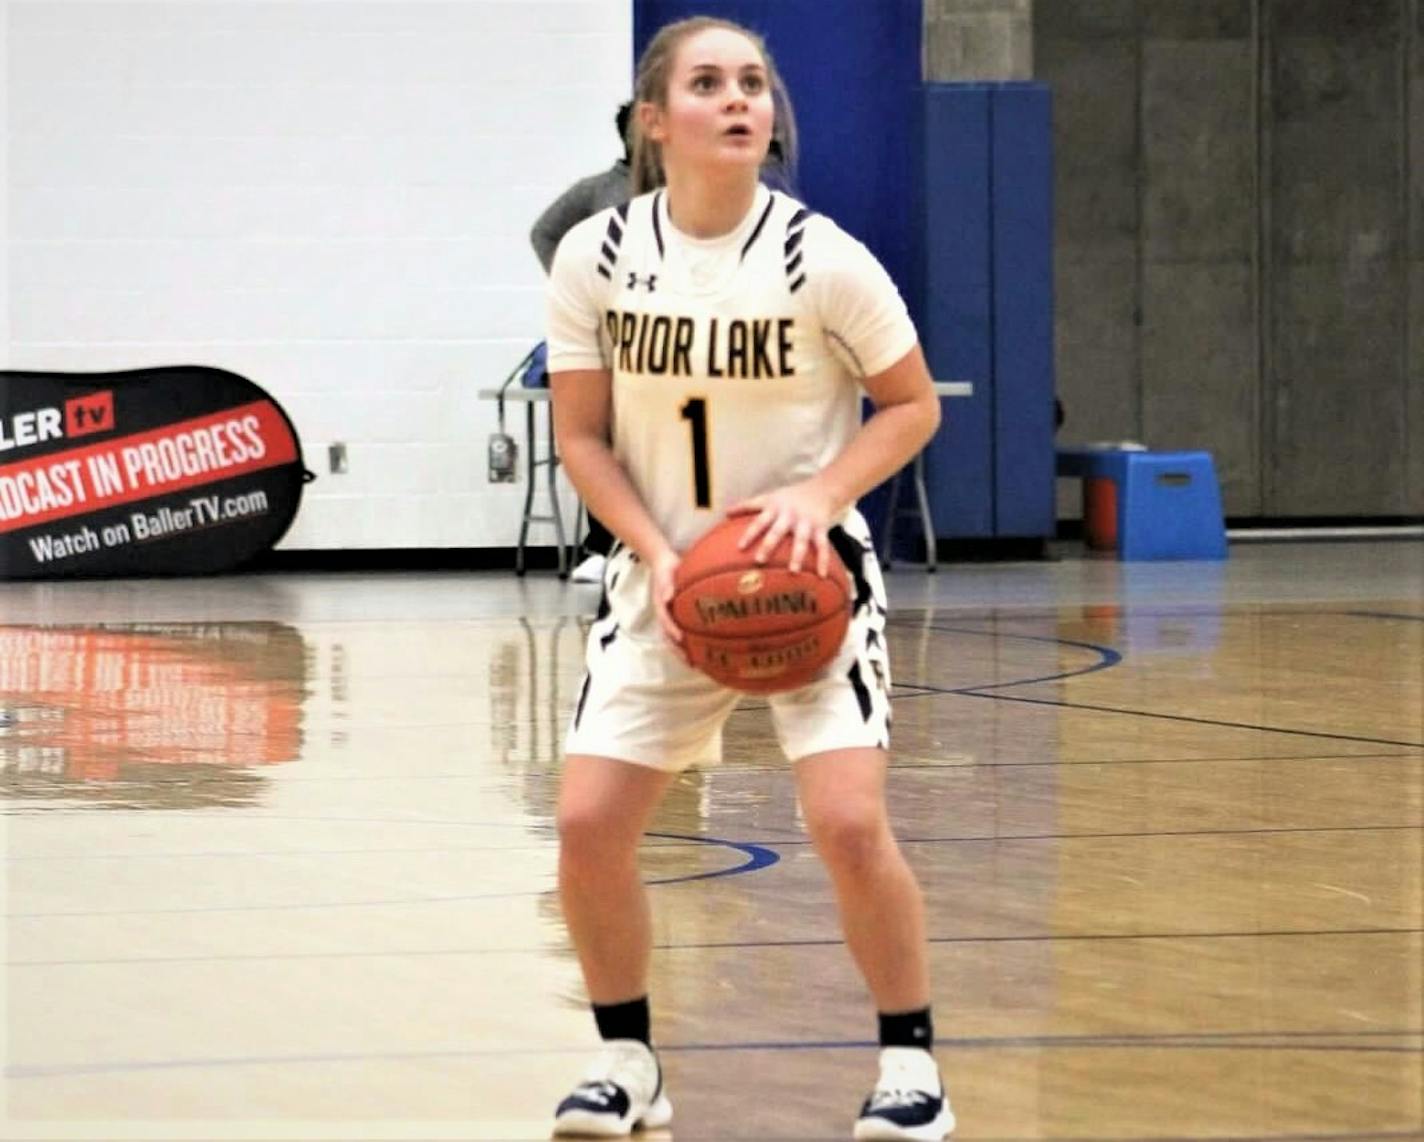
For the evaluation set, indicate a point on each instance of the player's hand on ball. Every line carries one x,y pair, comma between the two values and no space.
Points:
803,511
664,568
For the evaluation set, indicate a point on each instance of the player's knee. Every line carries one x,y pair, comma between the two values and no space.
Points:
588,836
849,841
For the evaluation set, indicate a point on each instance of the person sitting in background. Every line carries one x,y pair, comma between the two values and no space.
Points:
586,197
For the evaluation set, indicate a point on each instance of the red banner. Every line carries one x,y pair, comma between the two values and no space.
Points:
186,454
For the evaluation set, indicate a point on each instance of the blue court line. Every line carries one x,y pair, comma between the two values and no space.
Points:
1107,658
1229,1040
757,857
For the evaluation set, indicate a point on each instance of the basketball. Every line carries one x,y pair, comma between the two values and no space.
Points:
758,628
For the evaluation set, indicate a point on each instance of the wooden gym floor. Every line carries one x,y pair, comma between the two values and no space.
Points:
279,858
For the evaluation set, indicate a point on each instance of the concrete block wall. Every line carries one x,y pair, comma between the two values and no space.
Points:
978,40
327,196
1336,281
1198,368
1240,244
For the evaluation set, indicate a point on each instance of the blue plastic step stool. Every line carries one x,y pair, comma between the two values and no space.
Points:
1168,503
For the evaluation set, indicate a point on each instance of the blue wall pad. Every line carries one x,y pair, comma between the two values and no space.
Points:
853,70
1022,198
957,304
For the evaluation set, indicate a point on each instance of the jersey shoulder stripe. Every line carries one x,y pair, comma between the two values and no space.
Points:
612,240
795,231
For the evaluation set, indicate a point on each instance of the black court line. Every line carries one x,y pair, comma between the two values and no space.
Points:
1260,831
756,857
1188,719
1094,763
1408,618
757,851
731,945
1111,658
739,767
1267,1040
1367,1136
1056,938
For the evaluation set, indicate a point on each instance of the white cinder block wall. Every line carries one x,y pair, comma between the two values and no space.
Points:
330,197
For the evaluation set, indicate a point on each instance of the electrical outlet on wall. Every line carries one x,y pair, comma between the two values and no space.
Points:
336,458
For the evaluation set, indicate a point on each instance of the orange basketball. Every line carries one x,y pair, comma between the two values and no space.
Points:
755,627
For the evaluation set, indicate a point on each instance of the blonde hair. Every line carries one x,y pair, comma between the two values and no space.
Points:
650,85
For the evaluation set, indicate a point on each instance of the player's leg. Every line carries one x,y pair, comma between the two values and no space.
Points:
604,809
882,914
639,702
838,729
843,800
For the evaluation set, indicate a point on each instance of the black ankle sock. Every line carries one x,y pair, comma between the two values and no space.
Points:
907,1029
623,1020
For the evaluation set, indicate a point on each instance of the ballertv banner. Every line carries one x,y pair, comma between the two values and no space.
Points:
181,470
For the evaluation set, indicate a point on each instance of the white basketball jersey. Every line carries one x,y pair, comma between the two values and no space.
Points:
735,361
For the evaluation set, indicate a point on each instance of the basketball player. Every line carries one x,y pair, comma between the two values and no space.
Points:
708,343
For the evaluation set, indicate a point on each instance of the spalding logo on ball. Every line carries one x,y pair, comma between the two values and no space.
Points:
759,628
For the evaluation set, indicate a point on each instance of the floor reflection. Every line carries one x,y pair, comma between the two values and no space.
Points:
156,716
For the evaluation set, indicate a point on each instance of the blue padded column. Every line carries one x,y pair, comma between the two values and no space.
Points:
956,306
1022,197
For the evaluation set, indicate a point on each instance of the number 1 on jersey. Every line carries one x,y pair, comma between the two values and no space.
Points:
695,413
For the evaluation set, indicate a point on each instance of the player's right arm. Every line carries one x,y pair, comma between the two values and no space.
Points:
581,385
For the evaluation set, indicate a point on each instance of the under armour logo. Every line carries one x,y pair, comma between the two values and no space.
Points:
650,282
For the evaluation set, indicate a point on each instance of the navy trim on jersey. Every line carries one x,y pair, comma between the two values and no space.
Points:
761,222
657,225
832,335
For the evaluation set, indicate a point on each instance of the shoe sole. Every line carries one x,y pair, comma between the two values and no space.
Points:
587,1124
883,1130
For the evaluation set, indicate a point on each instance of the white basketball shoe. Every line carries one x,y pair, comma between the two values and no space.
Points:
621,1091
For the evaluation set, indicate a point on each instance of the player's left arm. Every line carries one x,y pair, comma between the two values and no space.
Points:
907,413
868,327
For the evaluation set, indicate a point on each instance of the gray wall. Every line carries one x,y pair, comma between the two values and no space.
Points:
978,40
1241,240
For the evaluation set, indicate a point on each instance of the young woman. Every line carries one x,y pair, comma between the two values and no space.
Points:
708,343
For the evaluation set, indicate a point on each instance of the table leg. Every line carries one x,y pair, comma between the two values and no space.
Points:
531,473
926,519
554,510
